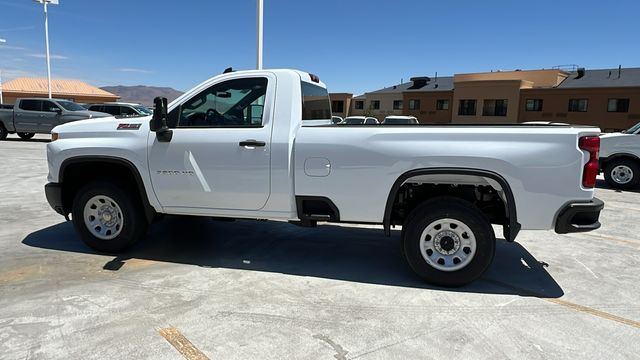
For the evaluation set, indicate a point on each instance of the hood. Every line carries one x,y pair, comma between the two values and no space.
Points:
85,114
104,127
614,135
97,114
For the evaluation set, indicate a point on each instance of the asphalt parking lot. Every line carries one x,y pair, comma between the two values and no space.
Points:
269,290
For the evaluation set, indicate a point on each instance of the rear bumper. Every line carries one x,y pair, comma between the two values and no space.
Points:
53,191
579,217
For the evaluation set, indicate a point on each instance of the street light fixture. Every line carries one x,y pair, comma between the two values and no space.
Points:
259,34
46,38
2,41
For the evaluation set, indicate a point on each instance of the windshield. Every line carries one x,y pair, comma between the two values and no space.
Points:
353,121
143,110
633,129
70,106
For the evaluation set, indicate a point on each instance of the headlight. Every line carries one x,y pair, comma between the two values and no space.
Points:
54,136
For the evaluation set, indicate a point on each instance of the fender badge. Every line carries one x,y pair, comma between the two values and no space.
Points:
126,126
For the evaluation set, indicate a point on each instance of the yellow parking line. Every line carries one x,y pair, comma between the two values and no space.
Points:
611,238
570,305
182,344
598,313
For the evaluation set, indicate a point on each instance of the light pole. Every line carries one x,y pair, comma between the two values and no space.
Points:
259,34
2,41
46,38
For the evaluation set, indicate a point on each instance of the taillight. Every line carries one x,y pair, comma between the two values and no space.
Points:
590,171
314,78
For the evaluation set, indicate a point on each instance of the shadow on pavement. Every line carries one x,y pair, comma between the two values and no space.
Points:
29,140
329,251
601,184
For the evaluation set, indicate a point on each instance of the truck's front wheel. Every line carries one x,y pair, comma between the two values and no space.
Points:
3,132
448,241
107,217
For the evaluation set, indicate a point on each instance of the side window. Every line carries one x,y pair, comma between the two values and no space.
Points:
50,106
30,105
233,103
127,111
112,109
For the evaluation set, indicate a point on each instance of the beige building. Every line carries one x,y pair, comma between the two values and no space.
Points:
74,90
340,104
380,103
430,100
494,97
608,98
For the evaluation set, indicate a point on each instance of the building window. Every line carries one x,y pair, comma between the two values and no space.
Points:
358,105
397,104
375,105
414,104
337,106
534,105
467,107
495,107
578,105
618,105
442,105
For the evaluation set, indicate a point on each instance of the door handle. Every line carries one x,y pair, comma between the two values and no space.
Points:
252,143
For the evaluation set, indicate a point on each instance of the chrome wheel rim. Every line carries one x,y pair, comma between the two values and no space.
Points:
622,174
103,217
447,244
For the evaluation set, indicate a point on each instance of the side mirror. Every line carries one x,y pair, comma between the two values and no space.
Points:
158,123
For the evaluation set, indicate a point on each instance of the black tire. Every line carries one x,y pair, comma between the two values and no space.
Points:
25,136
464,212
613,177
134,223
3,132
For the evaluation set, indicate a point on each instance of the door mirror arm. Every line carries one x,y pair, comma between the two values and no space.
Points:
158,123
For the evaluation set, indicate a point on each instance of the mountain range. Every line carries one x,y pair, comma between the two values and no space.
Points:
142,94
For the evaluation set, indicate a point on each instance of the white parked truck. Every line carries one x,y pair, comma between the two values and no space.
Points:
260,145
620,158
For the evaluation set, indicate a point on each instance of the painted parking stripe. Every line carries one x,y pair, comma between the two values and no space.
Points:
598,313
182,344
570,305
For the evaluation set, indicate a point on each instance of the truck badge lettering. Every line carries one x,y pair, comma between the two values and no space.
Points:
175,172
127,126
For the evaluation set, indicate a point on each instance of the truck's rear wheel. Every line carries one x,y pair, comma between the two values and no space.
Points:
622,174
448,241
3,132
108,218
25,136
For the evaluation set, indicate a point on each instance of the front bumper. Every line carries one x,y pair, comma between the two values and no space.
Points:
579,216
53,191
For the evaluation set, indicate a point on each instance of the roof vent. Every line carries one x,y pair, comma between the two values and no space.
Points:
580,73
619,71
419,82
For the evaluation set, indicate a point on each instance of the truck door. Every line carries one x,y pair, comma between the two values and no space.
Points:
26,115
49,117
219,156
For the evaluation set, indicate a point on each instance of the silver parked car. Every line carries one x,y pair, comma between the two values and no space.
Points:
121,109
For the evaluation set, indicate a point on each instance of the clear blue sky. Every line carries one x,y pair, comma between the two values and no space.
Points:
353,45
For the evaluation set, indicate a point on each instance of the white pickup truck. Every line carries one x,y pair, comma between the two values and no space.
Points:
620,158
260,145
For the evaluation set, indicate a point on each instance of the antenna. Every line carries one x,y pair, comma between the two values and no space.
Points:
619,71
